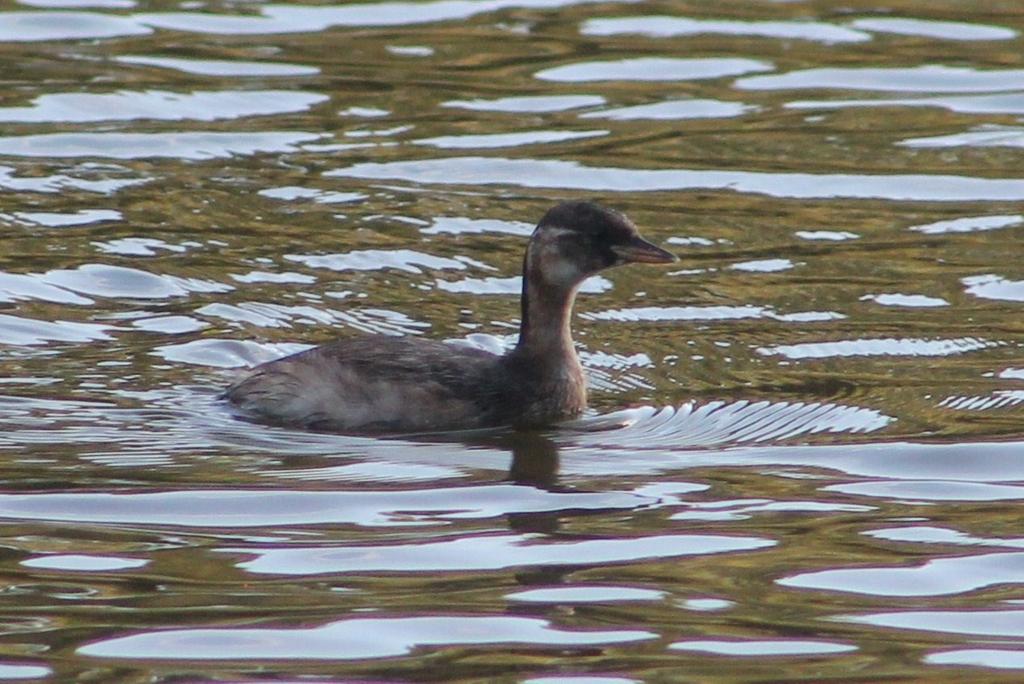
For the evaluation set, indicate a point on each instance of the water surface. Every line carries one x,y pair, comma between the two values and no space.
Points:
805,456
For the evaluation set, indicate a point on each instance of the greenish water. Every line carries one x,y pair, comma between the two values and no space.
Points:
805,459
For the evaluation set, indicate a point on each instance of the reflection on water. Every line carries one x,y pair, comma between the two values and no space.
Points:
184,146
39,26
569,175
221,67
802,461
158,105
930,28
355,639
929,78
530,103
1012,103
652,69
763,648
981,137
673,109
663,27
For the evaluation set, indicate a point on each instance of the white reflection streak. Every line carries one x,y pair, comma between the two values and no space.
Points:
998,623
888,346
354,639
996,400
487,553
669,26
282,18
572,175
718,423
981,137
937,577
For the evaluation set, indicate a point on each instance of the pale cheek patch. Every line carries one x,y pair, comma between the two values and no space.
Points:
546,256
563,273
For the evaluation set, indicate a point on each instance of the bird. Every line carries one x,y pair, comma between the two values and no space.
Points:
376,384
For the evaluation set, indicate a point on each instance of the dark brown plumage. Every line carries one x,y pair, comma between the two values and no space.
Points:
377,383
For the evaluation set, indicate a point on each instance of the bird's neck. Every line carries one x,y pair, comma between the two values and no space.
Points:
552,383
546,330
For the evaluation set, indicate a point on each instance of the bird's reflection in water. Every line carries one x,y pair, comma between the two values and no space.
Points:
534,460
534,464
534,454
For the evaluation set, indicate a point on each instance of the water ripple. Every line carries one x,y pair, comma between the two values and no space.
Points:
79,563
674,110
719,422
528,104
138,246
930,28
992,286
513,285
909,300
585,594
16,287
406,260
458,225
983,136
653,69
706,313
61,182
236,508
926,534
745,509
52,219
282,18
1011,103
491,552
826,235
39,26
20,671
573,175
970,224
931,490
664,27
102,280
889,346
18,330
497,140
763,265
767,647
296,192
352,639
225,353
929,78
984,402
221,67
999,658
269,315
159,105
939,577
194,145
992,623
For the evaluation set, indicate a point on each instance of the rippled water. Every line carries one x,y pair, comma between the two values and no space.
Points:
805,456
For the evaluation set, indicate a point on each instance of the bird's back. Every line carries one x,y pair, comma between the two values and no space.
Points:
377,383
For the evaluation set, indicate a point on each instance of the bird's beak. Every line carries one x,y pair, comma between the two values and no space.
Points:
641,251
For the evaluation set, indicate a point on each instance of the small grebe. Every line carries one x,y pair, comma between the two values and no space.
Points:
378,383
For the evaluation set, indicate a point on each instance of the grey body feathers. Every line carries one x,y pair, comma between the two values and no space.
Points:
377,383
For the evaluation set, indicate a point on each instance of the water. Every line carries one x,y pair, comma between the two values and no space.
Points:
805,454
